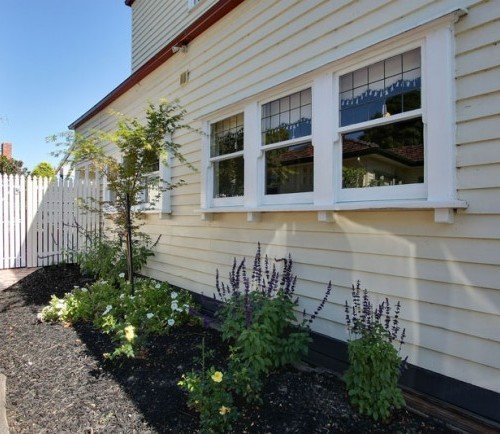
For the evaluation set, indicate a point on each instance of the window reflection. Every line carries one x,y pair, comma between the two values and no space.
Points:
228,177
287,118
382,89
226,136
290,169
385,155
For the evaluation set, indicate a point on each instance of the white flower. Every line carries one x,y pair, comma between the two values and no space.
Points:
84,290
122,296
170,322
157,286
186,307
132,297
174,305
174,294
121,275
61,304
108,308
76,287
150,315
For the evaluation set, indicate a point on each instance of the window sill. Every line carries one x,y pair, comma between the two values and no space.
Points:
443,209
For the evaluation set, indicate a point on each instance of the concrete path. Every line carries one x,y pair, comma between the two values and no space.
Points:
13,275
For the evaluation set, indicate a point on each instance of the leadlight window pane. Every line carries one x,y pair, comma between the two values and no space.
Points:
226,136
287,118
381,89
390,154
290,169
229,177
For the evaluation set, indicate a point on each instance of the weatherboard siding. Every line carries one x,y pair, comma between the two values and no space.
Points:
446,276
157,22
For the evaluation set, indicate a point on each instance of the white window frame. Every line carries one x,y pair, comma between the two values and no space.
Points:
163,204
209,163
438,191
396,192
273,199
86,177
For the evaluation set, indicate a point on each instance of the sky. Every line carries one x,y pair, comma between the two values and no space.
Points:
57,59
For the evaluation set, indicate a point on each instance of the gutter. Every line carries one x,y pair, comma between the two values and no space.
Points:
195,29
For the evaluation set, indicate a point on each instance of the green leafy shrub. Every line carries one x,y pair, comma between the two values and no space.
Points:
209,394
259,320
106,258
130,318
374,362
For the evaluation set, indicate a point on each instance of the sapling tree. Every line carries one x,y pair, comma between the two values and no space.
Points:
141,146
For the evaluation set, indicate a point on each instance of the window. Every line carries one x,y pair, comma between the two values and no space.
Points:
226,159
385,97
152,198
286,138
85,172
192,3
375,130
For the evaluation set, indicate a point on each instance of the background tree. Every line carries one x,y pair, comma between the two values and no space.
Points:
139,144
44,169
10,166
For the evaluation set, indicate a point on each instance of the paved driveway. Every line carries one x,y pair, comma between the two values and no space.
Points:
13,275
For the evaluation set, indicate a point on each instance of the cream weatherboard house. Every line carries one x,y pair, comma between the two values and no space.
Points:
361,136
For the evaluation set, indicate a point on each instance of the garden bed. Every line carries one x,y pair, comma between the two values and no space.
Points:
58,380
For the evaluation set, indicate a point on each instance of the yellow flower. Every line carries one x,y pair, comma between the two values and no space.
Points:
217,376
224,410
129,333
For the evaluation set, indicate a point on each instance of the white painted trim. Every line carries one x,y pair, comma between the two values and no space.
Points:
326,216
380,121
347,206
440,122
206,185
227,201
285,143
391,192
165,205
439,188
323,118
253,217
444,215
226,157
252,154
289,198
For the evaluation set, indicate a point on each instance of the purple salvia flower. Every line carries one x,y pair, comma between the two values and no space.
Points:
323,301
257,271
387,314
266,267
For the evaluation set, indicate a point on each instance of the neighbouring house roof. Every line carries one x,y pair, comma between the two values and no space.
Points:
410,155
218,11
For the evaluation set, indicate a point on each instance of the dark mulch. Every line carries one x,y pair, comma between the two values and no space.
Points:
59,382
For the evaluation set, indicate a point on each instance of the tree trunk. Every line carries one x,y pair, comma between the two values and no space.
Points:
130,263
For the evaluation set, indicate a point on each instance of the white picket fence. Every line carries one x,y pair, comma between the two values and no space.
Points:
42,221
